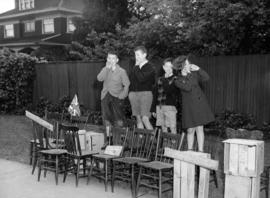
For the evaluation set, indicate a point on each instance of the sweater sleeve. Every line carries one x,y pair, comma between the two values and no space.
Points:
203,75
102,74
183,84
126,83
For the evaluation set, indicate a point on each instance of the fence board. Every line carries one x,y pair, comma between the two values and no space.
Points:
239,83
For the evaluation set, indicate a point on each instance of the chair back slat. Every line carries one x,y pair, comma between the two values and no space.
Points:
71,138
80,121
54,116
122,137
166,140
142,143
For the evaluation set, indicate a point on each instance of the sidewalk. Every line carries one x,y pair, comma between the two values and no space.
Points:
16,181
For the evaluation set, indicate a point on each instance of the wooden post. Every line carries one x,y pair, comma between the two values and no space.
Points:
184,172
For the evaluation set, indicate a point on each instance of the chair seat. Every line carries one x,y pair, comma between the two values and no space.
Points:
105,156
157,165
54,151
131,160
85,153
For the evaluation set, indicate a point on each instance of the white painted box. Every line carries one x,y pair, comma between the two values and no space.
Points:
243,157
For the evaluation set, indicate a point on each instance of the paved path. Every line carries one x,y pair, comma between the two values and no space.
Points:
16,181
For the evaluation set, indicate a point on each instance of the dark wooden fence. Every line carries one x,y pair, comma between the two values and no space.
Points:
239,83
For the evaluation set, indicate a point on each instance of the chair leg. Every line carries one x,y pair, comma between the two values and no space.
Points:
215,178
56,169
78,171
90,172
39,168
138,182
66,168
84,166
133,182
106,175
31,153
112,175
160,184
34,162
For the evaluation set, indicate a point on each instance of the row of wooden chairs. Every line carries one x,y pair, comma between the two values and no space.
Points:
140,150
141,163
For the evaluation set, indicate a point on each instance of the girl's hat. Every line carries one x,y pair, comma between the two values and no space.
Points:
178,62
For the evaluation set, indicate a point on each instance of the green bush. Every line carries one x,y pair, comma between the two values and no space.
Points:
17,72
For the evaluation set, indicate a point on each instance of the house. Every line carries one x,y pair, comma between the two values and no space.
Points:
33,23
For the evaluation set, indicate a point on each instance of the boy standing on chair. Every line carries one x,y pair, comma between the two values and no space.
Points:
115,90
166,98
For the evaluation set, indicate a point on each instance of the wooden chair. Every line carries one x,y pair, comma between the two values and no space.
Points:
120,137
80,121
142,148
76,157
38,143
156,173
52,158
51,117
54,116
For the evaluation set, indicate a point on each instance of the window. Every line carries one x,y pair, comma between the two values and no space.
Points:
26,4
48,26
70,25
29,26
9,31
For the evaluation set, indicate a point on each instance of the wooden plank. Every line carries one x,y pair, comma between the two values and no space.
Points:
251,159
176,179
243,160
203,190
226,157
204,183
191,180
237,187
243,141
255,188
198,160
233,159
184,180
39,120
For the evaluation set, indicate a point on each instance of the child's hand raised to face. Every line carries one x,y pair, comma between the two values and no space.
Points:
194,67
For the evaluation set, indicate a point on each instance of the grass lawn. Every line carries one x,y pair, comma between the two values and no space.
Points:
15,133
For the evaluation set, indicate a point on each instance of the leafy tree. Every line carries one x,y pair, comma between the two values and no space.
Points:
101,16
173,27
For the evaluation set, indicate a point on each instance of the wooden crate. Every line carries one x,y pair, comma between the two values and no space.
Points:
243,157
90,140
242,187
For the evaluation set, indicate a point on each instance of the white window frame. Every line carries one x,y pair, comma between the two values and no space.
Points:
47,22
70,25
11,28
31,27
26,4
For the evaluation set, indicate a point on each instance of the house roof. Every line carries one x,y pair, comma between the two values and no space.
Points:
42,6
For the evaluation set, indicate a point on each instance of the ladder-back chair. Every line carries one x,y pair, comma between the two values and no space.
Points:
120,139
77,160
142,150
157,173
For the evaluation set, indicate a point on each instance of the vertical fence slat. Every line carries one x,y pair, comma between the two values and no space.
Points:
239,83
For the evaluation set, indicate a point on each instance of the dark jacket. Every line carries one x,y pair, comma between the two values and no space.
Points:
166,92
142,79
195,108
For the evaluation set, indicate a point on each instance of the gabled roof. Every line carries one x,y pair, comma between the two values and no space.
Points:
72,6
